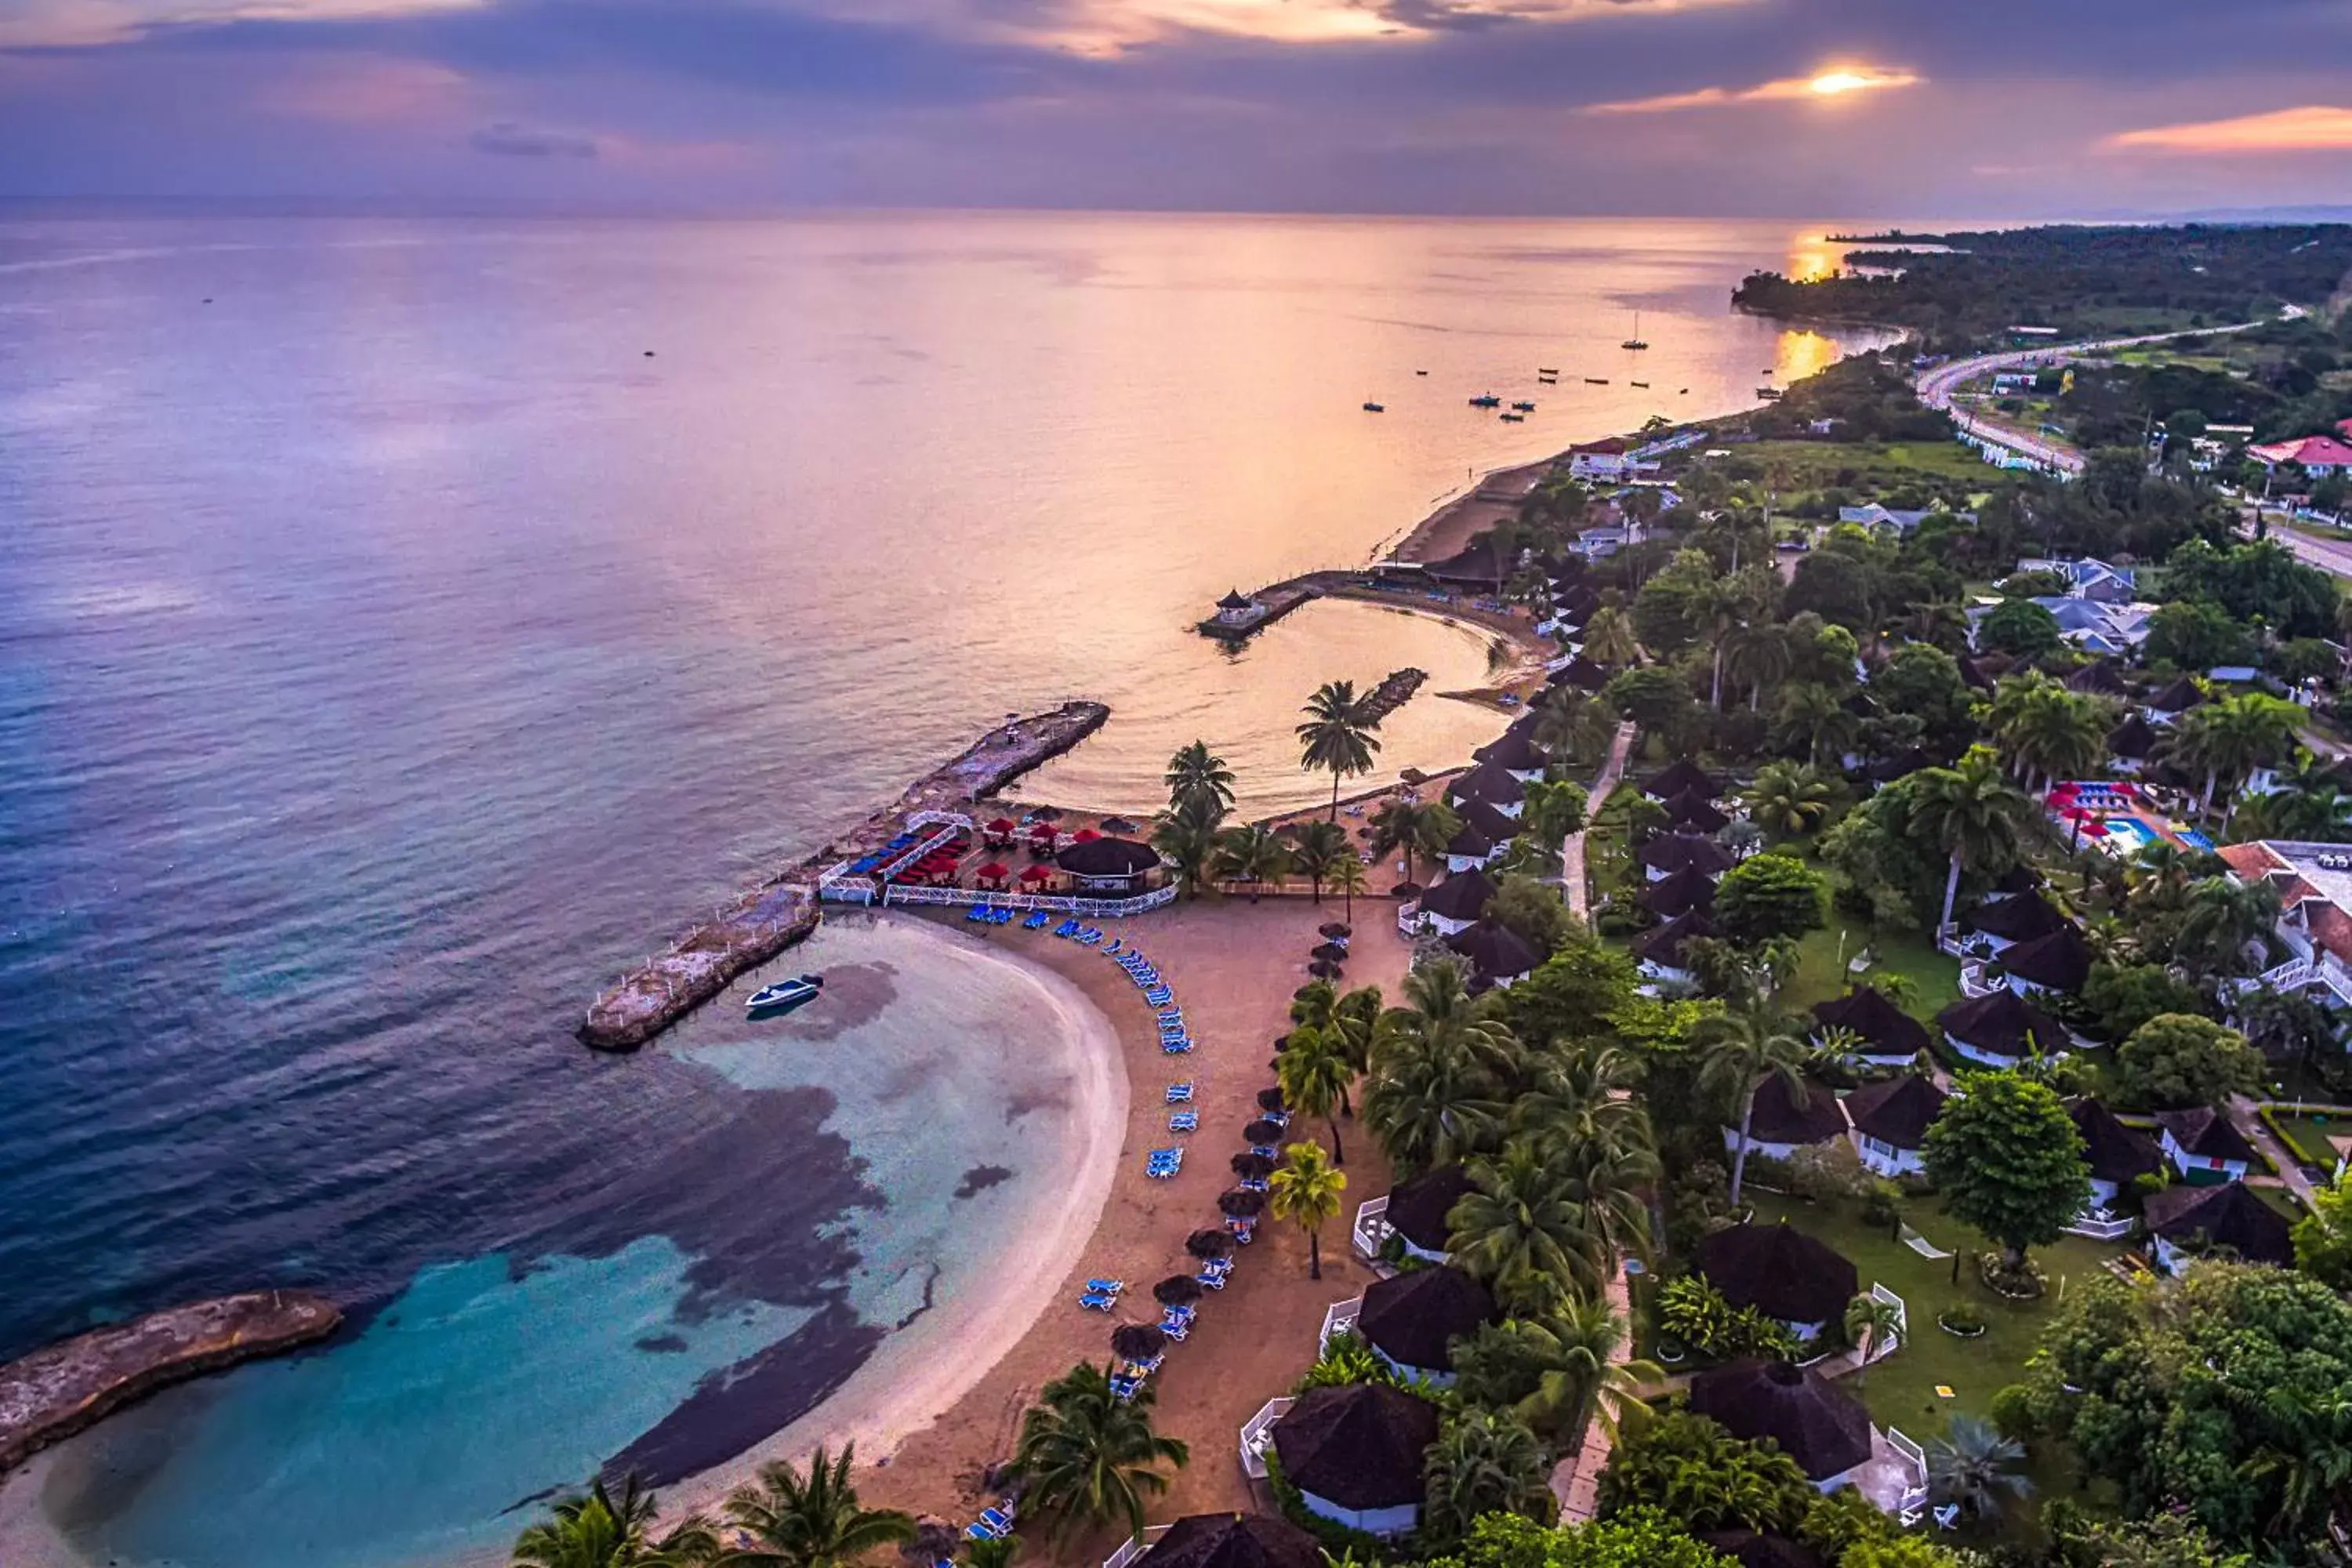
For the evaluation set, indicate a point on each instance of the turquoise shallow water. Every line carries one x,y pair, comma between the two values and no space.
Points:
392,651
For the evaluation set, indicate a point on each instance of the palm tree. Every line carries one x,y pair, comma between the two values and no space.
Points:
1576,1381
1973,1465
1336,737
1941,623
1313,1071
2049,731
1199,784
1346,878
1756,655
790,1520
1190,844
2225,918
1483,1461
1254,854
1609,639
1431,1104
599,1530
1722,609
1520,1231
1414,828
1316,850
1584,1095
1306,1189
1969,812
1870,1323
1816,718
1570,724
1789,799
1087,1456
1744,1047
2229,739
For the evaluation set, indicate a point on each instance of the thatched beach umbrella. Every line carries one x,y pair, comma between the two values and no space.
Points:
1241,1204
1262,1130
1116,825
1405,890
1178,1289
1252,1166
1138,1342
1324,968
1045,814
1269,1100
1208,1246
1329,952
1335,928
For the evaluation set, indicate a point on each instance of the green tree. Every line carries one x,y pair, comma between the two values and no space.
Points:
601,1529
788,1520
2224,923
1414,828
1550,811
1639,1538
1533,912
1522,1231
1690,1469
1569,723
1306,1188
2227,740
2020,627
2196,634
1555,1372
1572,994
1870,1322
1483,1461
1924,681
1654,697
1316,850
1743,1047
1252,854
1088,1458
1770,895
2008,1161
1973,1465
1200,784
2049,732
2322,1238
1190,844
1814,717
2125,996
2161,1540
1435,1087
2176,1061
1339,736
1314,1071
1609,639
1789,799
1970,813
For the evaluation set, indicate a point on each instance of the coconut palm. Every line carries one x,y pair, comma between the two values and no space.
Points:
1316,849
1970,813
2223,919
1611,1185
1870,1323
1942,623
1570,723
1973,1465
1521,1231
1314,1070
1789,799
1584,1096
1254,854
1190,844
1756,655
1576,1381
1336,738
1305,1191
1414,828
1722,609
1483,1461
1609,639
602,1530
787,1520
1199,784
1438,1011
2229,739
1813,716
1430,1102
1086,1457
2048,731
1744,1047
1346,878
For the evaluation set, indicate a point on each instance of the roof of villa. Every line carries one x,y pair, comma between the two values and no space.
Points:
1898,1111
1468,840
1582,673
1234,601
1460,897
1663,945
2178,697
1417,1209
1780,1116
1685,891
1477,814
2228,1214
2206,1133
1107,857
1678,776
2003,1023
1514,751
1360,1446
1695,808
2021,917
2058,962
1495,952
1236,1540
2133,739
1778,1270
1825,1430
2099,676
1488,782
2114,1153
1674,851
1881,1024
1414,1316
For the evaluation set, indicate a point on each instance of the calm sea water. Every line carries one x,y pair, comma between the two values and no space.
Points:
403,625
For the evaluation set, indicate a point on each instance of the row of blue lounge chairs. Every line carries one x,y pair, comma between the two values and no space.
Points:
993,1523
1164,1163
985,915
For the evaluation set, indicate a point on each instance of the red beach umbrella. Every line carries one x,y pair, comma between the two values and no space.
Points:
1085,835
1002,824
1042,832
1037,874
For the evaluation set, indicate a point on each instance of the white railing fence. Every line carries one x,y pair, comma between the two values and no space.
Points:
1371,1228
1131,1550
2100,1226
857,891
1888,1346
1340,1320
1257,1432
1914,1493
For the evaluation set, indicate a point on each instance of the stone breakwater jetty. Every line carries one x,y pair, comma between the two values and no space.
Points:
772,917
1392,693
55,1392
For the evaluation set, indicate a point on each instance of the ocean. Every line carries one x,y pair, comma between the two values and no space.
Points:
406,625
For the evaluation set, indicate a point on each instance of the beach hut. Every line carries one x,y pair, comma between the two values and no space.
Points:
1658,951
1827,1432
1410,1320
2015,918
1490,823
1235,1541
1785,1120
1417,1211
994,875
1679,778
1113,867
1355,1453
2100,678
1680,893
1999,1029
1888,1034
1581,673
1891,1121
2118,1155
2203,1146
1455,904
1692,810
2060,962
1497,955
2130,744
1517,754
2167,705
1495,786
997,833
1784,1273
2185,1222
1470,850
1671,852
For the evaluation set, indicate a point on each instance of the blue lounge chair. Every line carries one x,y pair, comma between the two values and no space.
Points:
1175,1048
1094,1301
998,1519
1038,920
1184,1121
1180,1093
1106,1287
1124,1389
1067,928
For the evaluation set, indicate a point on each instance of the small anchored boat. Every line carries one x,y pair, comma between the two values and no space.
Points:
770,1001
1515,418
1768,393
1635,341
1547,369
1524,406
1375,408
1596,381
1642,384
1488,401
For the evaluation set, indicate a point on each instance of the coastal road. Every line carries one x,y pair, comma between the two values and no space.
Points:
1571,848
2326,554
1935,388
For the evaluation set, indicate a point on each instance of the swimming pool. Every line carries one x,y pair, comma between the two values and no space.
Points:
2194,839
2126,836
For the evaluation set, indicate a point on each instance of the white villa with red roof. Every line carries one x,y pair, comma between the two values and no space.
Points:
2315,888
2319,456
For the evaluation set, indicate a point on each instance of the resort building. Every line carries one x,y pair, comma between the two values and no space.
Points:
1469,851
1692,811
1109,868
1785,1120
1887,1035
1680,777
2118,1155
1899,520
1686,891
1891,1121
1454,905
2091,625
1516,752
2315,922
2000,923
1658,951
1228,1540
2000,1030
2056,964
1355,1454
1490,786
1608,460
1784,1273
1668,853
2167,705
1410,1319
2130,744
1826,1431
2089,579
2318,456
1237,613
2185,1222
2203,1146
1497,955
1416,1212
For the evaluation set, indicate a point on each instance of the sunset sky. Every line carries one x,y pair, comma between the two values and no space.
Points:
1783,108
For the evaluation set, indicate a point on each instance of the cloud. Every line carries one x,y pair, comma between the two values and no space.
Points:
1838,82
511,140
2314,128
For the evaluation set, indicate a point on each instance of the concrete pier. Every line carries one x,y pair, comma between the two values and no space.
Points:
53,1393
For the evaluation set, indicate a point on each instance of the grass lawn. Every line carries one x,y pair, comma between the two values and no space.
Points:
2307,1136
1860,465
1821,974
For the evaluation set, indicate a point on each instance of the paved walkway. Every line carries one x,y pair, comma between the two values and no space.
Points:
1576,1480
2243,1117
1571,848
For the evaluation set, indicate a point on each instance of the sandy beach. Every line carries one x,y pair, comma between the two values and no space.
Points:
1448,531
1233,966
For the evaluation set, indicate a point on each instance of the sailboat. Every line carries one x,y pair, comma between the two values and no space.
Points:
1635,341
